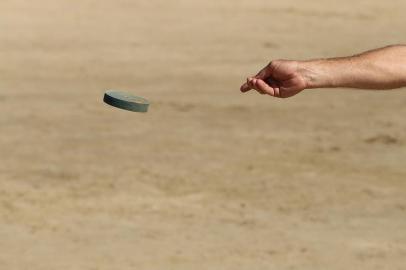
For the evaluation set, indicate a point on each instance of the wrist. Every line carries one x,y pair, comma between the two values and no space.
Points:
318,74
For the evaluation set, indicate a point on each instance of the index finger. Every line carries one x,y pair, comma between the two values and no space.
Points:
265,72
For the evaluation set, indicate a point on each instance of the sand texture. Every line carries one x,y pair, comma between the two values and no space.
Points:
209,178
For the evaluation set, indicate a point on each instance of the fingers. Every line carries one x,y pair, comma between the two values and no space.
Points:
245,87
248,85
263,88
260,86
263,74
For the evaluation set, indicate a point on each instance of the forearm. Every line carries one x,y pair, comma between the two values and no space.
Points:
378,69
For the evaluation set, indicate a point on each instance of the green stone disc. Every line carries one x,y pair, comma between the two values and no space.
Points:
126,101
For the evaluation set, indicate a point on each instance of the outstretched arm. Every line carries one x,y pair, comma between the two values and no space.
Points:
383,68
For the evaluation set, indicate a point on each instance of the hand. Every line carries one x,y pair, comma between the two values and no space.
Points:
280,78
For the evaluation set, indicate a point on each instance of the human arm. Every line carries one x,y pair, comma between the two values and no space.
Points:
383,68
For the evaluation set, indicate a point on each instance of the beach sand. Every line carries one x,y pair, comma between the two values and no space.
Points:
209,178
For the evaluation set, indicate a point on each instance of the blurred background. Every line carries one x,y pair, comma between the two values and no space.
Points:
209,178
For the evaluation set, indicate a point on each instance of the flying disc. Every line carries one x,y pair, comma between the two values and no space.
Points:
126,101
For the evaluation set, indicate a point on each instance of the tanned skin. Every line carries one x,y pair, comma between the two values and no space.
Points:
379,69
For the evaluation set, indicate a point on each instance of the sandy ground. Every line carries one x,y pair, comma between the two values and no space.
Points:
209,178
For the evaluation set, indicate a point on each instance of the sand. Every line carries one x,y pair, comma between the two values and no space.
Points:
209,178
